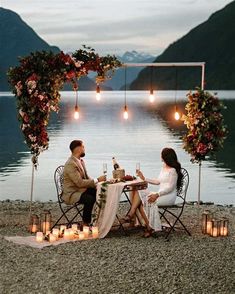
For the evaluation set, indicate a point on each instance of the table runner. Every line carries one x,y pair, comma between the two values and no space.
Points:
108,214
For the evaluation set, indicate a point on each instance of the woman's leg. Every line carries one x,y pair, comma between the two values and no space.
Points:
136,201
143,214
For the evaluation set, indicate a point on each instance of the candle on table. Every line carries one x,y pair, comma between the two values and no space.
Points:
95,232
39,236
56,232
81,236
86,231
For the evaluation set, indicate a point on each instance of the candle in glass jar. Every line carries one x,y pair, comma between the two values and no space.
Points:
45,226
56,232
214,232
95,232
86,231
34,228
208,227
81,236
39,236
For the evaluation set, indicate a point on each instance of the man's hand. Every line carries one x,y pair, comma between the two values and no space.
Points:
101,179
153,197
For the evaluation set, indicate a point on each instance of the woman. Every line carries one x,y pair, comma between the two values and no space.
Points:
169,181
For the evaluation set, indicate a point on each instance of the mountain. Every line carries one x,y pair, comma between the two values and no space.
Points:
117,82
213,42
19,39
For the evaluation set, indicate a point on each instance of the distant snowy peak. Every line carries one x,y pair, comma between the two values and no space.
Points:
134,56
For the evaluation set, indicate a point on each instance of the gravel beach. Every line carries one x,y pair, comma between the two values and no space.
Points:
118,263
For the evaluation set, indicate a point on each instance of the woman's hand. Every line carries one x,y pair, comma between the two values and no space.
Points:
153,197
140,175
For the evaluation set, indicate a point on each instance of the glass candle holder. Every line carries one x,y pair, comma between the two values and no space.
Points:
46,220
34,223
224,227
206,217
215,228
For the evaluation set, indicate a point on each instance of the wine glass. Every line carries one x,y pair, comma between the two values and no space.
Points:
137,169
105,169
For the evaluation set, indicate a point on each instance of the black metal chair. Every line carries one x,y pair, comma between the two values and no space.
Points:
65,208
169,209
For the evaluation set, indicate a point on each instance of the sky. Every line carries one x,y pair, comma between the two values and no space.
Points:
113,26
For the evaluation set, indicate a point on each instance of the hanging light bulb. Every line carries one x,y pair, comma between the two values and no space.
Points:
125,113
151,96
177,114
98,96
76,112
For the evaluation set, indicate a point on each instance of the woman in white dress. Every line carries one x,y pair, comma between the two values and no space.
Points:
169,181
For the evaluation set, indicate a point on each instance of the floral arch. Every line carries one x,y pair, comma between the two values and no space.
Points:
36,83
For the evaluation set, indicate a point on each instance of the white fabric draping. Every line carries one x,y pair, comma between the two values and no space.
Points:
108,214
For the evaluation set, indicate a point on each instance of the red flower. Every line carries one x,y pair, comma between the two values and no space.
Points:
202,149
70,75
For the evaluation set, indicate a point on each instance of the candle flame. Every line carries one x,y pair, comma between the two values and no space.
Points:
177,115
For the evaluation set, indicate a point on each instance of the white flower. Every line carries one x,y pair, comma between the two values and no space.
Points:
21,112
32,138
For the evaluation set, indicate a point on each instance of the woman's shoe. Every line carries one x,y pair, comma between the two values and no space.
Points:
148,233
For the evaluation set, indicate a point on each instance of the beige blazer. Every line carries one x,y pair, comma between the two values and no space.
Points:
76,181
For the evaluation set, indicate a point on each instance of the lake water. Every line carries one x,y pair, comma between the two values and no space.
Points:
140,139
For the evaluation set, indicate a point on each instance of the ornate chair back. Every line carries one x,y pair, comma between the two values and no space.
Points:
59,178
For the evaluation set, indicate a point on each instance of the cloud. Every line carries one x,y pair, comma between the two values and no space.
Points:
114,25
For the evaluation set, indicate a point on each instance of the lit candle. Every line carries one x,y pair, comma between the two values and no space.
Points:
71,234
225,233
95,232
214,232
52,238
39,237
208,227
56,233
67,234
45,226
62,228
74,227
81,236
86,231
34,228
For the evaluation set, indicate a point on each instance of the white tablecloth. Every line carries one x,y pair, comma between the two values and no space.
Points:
108,214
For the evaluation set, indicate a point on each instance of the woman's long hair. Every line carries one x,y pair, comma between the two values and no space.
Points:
170,158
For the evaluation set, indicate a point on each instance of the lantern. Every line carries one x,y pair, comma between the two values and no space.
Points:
206,217
224,227
34,223
46,220
215,228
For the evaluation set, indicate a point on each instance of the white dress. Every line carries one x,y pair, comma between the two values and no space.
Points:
167,181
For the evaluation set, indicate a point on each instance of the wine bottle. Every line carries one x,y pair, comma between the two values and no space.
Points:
115,164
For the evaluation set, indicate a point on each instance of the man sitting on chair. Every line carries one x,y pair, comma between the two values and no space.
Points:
78,186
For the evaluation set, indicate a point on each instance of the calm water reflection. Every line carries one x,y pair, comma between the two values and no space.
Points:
141,139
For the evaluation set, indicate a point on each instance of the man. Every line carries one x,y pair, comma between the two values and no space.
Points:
78,186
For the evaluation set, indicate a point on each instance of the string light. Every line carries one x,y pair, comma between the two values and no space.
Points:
98,95
177,114
125,113
151,96
76,108
125,110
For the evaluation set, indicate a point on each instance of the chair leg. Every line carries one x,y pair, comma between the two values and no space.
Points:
121,225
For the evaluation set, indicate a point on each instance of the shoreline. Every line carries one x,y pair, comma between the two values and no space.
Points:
117,263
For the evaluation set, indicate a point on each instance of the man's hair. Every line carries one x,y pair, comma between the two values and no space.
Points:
74,144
